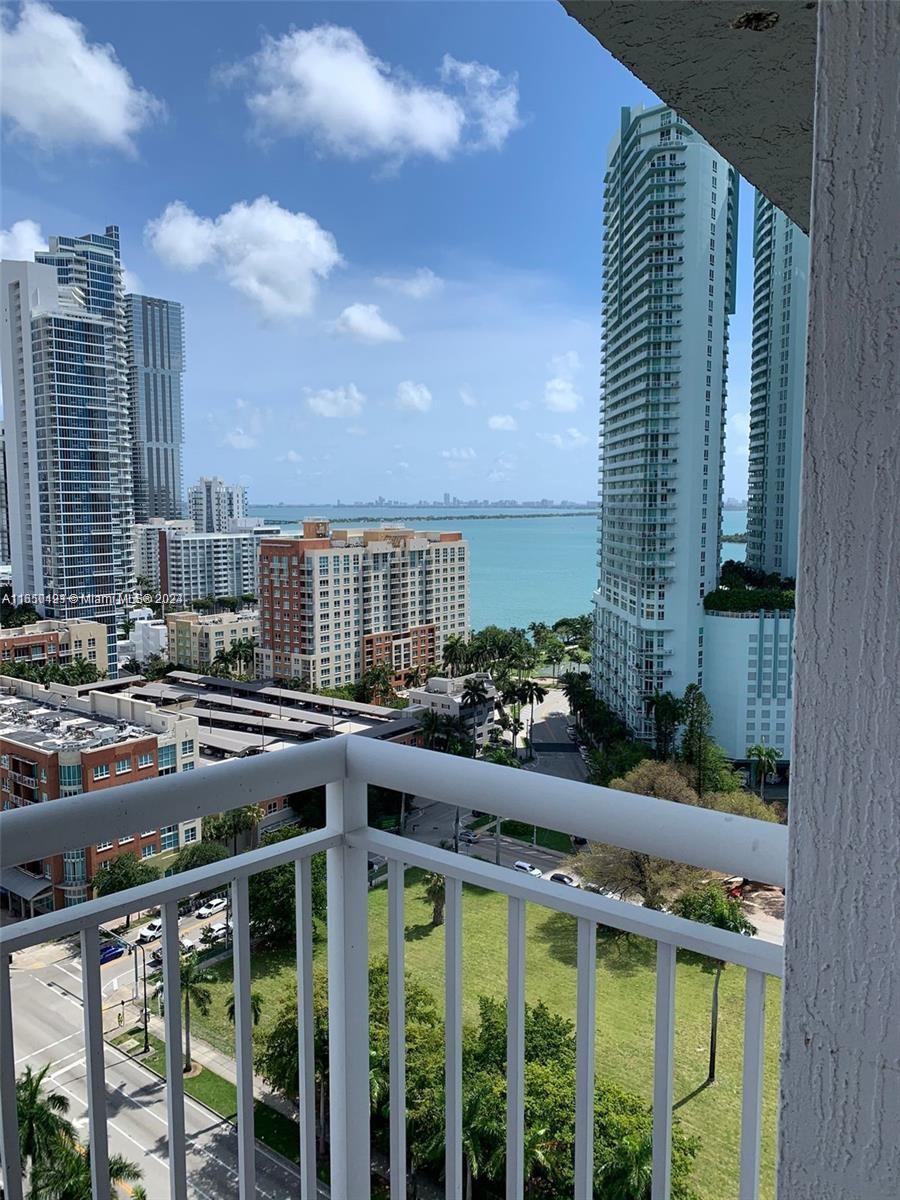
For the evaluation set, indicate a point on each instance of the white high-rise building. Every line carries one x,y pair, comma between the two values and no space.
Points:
777,381
214,506
69,482
182,566
4,507
670,231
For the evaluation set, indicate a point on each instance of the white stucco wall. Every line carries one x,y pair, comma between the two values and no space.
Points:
839,1132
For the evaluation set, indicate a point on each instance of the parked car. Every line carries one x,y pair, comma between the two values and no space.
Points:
111,950
156,958
601,891
216,933
468,837
211,907
528,868
561,877
150,932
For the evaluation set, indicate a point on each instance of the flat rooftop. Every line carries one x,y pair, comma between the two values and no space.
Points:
52,727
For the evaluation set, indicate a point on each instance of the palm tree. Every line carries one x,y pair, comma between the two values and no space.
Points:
43,1126
455,653
474,696
414,677
195,981
255,1007
435,895
430,723
516,726
627,1173
67,1176
221,665
766,760
529,692
242,654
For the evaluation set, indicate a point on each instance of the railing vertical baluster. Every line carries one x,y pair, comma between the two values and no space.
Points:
243,1036
9,1121
453,1040
306,1083
585,1036
663,1057
515,1050
348,995
751,1101
95,1066
397,1019
171,949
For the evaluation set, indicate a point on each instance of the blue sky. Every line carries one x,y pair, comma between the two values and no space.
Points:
383,220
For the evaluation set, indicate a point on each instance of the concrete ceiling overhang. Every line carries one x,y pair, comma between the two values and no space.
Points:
742,74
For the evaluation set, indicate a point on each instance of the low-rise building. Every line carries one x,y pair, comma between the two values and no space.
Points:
747,679
56,641
195,640
448,698
336,603
149,636
66,741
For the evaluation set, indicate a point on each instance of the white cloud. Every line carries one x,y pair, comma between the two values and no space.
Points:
468,398
355,430
565,441
325,83
61,90
336,402
459,454
418,286
131,282
239,439
364,323
271,255
504,466
560,395
414,396
490,100
246,434
292,457
504,423
20,241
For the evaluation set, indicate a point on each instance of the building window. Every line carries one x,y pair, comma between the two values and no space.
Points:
168,838
148,851
145,760
190,834
188,766
123,766
101,771
103,846
187,746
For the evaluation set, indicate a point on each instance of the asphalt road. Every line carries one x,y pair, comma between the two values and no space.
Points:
48,1028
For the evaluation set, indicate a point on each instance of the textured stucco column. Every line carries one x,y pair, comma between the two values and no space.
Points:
840,1118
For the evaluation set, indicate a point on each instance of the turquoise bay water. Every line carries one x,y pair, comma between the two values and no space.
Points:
532,565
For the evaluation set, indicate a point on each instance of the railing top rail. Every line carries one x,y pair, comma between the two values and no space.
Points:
42,830
91,913
699,836
632,918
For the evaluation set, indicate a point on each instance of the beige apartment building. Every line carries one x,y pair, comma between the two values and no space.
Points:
56,641
336,602
195,640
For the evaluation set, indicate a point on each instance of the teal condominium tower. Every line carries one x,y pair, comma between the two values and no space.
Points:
154,331
67,429
777,381
669,261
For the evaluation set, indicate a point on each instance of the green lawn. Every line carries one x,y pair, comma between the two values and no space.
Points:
625,999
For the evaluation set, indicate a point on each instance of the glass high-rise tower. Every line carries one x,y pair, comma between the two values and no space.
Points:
670,239
154,332
68,437
777,381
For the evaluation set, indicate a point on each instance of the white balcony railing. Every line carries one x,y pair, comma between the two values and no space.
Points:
347,765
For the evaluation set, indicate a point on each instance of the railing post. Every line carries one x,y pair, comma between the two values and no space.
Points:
348,995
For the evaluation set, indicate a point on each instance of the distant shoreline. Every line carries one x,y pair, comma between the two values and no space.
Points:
444,517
